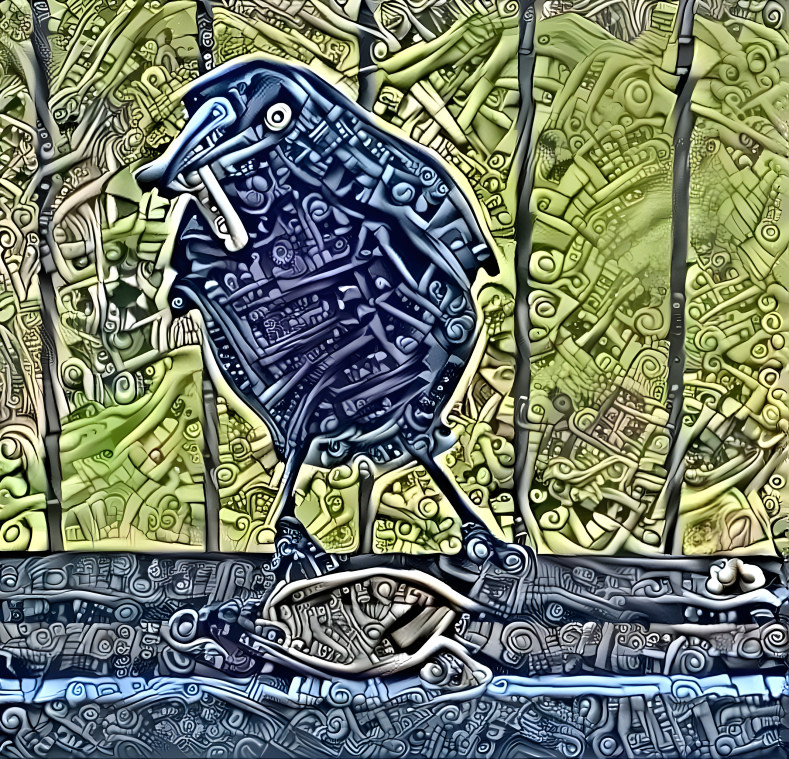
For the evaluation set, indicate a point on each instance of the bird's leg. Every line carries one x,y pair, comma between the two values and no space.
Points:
366,514
284,504
447,487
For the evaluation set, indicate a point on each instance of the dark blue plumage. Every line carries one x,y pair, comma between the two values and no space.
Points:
332,262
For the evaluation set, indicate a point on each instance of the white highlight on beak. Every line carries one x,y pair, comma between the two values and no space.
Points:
216,208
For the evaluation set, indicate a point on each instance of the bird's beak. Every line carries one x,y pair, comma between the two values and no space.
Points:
191,148
186,167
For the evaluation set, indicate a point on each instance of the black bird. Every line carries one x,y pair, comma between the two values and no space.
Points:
332,262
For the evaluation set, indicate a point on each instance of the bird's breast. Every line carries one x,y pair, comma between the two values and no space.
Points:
339,319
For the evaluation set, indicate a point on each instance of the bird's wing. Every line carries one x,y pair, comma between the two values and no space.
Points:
398,178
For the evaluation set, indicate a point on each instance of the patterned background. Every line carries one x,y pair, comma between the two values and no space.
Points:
625,404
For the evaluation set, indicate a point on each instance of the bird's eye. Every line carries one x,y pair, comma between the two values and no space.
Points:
278,116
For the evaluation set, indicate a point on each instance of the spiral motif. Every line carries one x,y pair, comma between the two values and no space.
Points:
773,14
339,695
692,661
775,638
338,726
13,718
459,329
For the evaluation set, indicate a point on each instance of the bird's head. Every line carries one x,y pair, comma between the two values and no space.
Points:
237,114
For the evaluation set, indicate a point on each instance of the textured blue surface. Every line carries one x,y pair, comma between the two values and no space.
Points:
565,660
